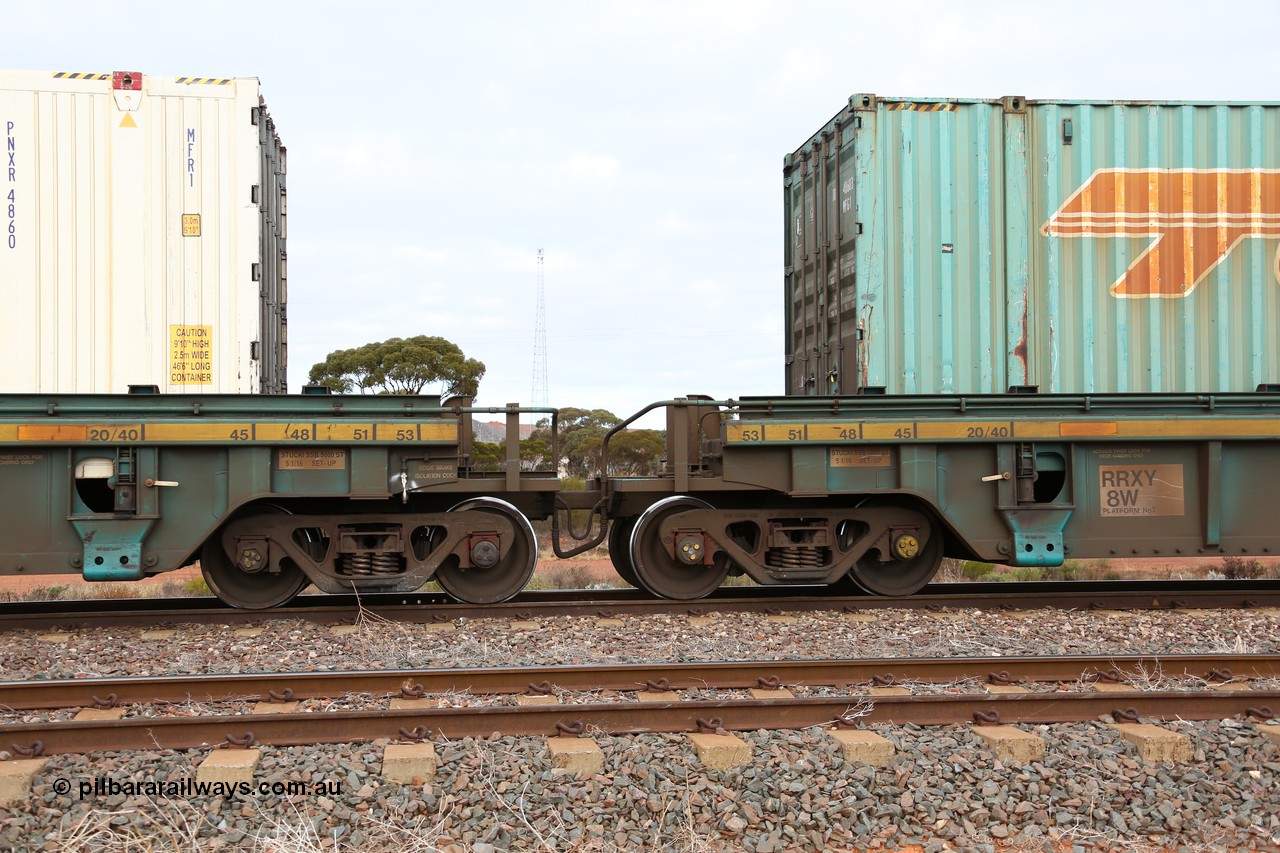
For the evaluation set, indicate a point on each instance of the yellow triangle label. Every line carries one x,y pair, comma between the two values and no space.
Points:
127,121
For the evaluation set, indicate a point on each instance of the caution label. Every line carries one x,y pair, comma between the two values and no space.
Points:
312,460
191,355
435,469
860,457
20,458
1139,491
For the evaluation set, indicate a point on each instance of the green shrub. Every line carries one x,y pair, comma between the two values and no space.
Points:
565,575
976,571
46,593
197,587
1070,570
1238,568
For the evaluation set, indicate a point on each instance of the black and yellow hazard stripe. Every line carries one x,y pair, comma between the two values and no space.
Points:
204,81
922,108
79,75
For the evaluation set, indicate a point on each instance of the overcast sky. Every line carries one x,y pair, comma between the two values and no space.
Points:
434,148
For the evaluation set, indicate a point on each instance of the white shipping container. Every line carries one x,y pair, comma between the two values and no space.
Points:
143,234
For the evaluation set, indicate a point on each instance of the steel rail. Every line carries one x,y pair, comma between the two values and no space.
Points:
71,693
436,607
610,718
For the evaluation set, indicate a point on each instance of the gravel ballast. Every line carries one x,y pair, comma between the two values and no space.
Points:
377,644
943,791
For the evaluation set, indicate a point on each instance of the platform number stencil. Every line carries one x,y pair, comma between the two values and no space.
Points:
1140,490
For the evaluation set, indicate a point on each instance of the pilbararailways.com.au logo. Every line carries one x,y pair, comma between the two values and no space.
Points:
189,788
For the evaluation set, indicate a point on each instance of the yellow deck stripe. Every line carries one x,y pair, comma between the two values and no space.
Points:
344,432
199,432
205,431
992,430
835,432
438,432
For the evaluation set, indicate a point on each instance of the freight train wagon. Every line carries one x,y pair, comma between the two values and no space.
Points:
940,252
367,493
877,490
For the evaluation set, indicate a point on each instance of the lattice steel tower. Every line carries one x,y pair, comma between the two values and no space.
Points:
540,393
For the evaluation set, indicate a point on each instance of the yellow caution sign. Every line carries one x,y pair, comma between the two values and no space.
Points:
191,355
128,121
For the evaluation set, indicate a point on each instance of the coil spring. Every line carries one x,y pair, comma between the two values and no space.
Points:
368,564
799,557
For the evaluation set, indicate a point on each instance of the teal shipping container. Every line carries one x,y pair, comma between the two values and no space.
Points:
940,246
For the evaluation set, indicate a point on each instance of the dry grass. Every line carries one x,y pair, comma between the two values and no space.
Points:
388,639
76,590
167,826
568,574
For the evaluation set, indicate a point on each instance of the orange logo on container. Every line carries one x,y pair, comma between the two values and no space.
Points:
1196,217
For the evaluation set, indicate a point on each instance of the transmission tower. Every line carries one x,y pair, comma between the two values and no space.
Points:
540,345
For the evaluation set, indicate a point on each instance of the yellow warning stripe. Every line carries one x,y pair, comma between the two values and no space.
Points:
199,432
899,106
79,75
438,432
204,81
739,432
260,433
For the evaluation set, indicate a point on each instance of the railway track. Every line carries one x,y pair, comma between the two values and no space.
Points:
436,607
75,692
1217,688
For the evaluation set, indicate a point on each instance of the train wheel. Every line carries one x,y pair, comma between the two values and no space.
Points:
658,571
620,549
913,566
248,590
507,576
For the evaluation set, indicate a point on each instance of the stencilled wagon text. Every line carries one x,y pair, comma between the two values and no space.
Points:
312,460
1140,490
11,196
20,458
